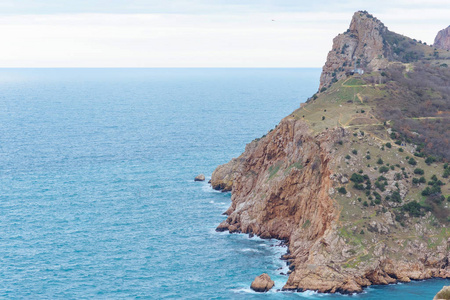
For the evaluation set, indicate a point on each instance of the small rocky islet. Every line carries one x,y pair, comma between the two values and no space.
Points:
355,181
262,283
199,177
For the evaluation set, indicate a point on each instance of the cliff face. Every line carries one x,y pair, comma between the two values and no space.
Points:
442,39
281,189
339,184
361,46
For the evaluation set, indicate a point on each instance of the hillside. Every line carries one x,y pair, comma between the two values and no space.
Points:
356,179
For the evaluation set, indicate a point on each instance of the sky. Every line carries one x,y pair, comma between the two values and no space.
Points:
195,33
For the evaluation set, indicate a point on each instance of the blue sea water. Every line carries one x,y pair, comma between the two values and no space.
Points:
97,198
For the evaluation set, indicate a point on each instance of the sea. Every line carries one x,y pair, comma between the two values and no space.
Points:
97,191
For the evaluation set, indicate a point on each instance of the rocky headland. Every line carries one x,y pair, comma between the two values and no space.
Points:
340,179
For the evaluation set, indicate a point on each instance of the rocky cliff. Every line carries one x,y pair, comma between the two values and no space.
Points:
442,39
340,184
360,47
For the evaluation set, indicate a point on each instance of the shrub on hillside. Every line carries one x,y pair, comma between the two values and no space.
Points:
342,190
413,208
395,197
384,169
412,161
357,178
418,171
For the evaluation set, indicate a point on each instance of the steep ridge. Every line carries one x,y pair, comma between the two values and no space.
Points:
361,46
442,39
339,181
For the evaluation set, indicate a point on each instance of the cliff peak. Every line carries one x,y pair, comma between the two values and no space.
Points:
442,39
361,18
360,48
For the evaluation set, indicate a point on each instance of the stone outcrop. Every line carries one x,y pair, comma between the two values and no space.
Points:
199,177
223,176
443,294
262,283
361,46
442,39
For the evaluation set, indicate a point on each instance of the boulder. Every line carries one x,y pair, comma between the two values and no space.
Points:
200,177
443,294
262,283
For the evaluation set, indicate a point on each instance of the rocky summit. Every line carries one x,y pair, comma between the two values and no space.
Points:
355,180
442,39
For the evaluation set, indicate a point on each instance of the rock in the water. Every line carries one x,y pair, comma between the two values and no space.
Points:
200,177
262,283
443,294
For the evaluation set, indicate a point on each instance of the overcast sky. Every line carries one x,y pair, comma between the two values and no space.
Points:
196,33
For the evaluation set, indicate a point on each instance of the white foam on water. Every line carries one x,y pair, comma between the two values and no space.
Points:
248,290
207,188
222,205
249,250
244,290
311,294
212,231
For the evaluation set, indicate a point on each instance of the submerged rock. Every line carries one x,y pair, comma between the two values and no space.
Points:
200,177
262,283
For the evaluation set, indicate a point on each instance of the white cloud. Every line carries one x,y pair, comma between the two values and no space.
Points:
294,39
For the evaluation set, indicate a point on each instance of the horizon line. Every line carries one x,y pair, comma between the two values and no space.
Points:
160,67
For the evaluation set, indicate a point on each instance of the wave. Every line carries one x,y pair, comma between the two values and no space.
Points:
249,250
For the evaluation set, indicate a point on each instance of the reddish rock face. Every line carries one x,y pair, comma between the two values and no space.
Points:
283,184
442,39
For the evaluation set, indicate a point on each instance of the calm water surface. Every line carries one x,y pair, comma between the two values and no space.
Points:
97,198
